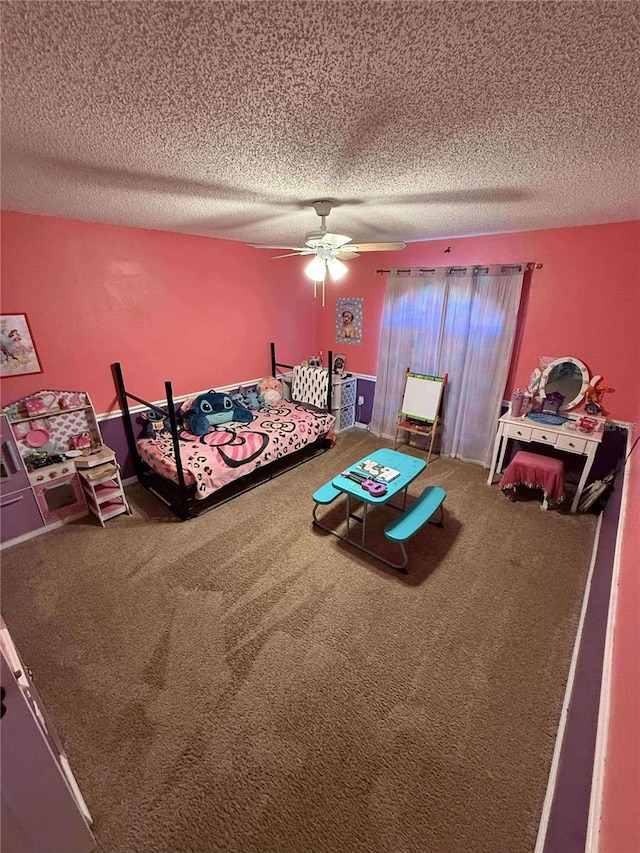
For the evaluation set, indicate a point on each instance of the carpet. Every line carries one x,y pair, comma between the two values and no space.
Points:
244,682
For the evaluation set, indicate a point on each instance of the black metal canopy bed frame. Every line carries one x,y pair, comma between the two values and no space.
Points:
178,494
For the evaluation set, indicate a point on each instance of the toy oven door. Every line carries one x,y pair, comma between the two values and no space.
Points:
60,498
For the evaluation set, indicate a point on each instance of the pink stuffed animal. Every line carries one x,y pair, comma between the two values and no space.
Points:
270,390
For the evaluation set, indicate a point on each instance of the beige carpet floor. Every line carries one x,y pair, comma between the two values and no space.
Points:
247,683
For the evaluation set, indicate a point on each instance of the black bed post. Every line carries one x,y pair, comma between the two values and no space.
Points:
330,367
121,394
273,359
171,411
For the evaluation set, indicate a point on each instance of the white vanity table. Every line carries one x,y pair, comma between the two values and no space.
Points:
569,378
561,437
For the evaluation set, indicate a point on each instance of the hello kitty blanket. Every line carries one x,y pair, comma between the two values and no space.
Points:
231,450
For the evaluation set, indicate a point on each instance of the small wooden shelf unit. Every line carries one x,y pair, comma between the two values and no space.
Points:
104,491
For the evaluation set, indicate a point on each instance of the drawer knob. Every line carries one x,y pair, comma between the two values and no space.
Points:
571,444
545,437
519,432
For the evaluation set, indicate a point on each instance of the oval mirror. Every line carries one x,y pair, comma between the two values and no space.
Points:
567,376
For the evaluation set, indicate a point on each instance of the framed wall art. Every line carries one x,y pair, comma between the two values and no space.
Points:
349,321
339,362
18,354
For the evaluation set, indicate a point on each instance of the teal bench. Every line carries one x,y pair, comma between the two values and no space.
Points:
419,513
326,494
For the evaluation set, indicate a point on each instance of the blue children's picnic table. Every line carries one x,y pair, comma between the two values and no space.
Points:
404,526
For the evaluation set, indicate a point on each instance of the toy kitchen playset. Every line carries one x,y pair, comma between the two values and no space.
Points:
49,441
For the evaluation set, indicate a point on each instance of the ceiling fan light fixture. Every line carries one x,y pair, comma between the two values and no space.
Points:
328,250
336,268
316,269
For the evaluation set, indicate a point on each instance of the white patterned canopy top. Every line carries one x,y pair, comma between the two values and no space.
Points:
309,385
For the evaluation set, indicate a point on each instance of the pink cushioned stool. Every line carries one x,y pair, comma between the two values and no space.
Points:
536,472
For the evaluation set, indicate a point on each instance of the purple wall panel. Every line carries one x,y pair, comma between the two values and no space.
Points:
567,828
365,388
114,436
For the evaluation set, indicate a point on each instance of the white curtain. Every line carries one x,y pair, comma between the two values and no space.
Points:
458,321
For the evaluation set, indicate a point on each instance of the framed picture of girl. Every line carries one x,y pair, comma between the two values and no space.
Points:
18,354
339,361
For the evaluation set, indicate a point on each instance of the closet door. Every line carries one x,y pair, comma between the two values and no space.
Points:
42,808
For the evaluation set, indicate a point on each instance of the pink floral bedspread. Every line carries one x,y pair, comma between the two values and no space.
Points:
232,450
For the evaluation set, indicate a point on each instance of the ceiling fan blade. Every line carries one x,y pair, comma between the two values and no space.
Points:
335,240
260,246
374,247
326,238
343,255
298,254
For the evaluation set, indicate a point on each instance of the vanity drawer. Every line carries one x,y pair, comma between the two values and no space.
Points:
572,443
517,431
544,436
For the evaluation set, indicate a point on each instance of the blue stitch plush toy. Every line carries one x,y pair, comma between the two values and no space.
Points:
214,408
156,424
252,399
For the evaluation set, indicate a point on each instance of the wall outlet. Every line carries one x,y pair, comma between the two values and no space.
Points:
360,401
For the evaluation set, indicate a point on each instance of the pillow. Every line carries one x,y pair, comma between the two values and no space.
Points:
270,390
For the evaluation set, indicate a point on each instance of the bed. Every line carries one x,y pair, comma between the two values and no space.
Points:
193,473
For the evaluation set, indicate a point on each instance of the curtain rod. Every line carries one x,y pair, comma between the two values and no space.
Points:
420,270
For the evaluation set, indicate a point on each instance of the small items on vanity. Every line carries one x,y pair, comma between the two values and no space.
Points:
551,404
520,404
587,424
594,397
546,418
548,412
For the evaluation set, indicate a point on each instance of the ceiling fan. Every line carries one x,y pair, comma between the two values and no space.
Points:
329,250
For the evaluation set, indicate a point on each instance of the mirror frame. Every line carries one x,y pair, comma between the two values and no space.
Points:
567,404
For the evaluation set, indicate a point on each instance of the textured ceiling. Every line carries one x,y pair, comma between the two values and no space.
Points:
421,119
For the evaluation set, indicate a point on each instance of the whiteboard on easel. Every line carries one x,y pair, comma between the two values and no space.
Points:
422,395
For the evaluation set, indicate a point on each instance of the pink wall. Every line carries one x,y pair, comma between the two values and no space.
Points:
97,294
197,311
620,825
201,312
584,302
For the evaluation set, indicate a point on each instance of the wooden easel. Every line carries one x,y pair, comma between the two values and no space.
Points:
421,406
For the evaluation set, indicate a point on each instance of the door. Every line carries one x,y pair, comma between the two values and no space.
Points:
41,805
